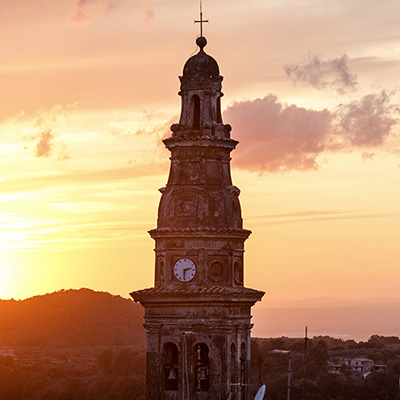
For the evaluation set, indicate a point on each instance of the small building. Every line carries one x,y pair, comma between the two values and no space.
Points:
379,367
7,352
335,368
361,365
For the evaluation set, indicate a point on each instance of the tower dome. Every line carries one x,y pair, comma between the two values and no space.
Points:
201,66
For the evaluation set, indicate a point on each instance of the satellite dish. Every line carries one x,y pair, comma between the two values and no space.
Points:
261,393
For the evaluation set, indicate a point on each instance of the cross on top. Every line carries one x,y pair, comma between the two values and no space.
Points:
201,21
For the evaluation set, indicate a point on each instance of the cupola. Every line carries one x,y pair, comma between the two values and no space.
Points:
201,97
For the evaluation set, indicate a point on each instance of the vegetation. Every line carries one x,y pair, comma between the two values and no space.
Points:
118,374
318,380
71,318
75,344
84,345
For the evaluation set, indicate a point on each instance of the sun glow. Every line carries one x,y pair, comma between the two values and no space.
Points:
17,233
81,155
7,276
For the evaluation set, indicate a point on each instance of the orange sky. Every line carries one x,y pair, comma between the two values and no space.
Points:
88,89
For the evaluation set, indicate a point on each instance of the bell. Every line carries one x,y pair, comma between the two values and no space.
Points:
203,373
171,374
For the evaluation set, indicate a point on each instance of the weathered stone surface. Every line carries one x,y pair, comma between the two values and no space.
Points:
197,316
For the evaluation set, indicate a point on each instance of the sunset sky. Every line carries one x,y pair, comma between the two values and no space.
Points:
89,88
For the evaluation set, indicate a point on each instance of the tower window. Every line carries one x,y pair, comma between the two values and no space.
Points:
196,112
243,357
170,366
161,271
233,371
202,367
236,213
219,118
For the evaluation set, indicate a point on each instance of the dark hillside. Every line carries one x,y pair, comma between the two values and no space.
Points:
72,318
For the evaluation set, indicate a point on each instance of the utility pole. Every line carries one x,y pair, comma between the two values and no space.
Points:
289,352
304,364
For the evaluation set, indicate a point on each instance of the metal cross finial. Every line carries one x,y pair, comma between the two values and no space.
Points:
201,21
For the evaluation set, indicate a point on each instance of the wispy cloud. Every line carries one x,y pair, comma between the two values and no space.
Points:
148,10
368,121
13,120
323,74
43,134
34,182
368,155
85,9
302,214
316,216
70,225
149,123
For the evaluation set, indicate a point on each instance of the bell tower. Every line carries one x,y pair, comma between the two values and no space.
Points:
197,315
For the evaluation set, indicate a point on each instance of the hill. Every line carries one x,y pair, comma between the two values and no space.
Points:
72,318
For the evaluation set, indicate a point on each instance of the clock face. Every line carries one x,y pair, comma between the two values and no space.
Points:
184,270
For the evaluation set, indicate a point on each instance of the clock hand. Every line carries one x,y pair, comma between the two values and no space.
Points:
184,272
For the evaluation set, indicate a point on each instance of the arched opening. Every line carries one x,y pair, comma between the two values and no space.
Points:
219,117
161,271
243,357
170,366
233,371
238,272
196,112
236,213
202,367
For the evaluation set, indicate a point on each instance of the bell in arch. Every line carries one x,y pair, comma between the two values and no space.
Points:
203,373
172,374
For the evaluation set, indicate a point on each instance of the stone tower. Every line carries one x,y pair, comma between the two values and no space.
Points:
197,315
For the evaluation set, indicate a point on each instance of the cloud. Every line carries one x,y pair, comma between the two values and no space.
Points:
148,13
277,137
336,217
81,15
368,155
368,121
85,8
148,10
148,127
317,216
14,119
302,214
45,145
330,74
44,136
150,123
80,178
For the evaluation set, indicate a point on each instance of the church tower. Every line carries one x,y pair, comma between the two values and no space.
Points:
197,315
